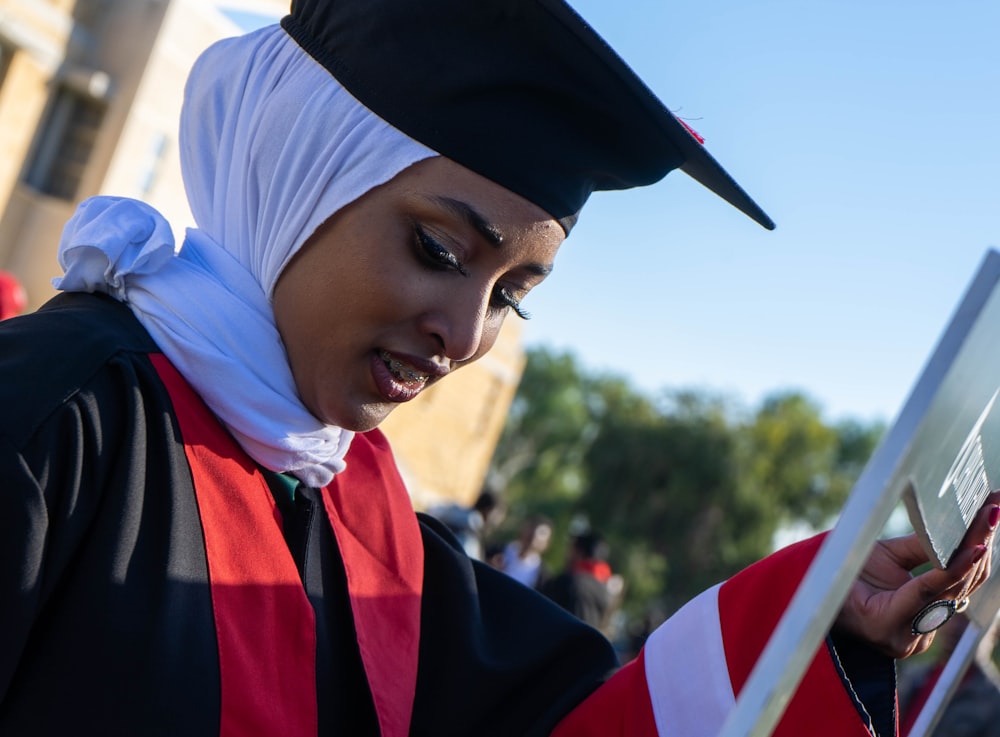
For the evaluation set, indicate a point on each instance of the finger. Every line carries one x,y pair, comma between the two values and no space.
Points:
984,523
910,553
983,527
970,564
949,583
907,551
963,569
987,564
982,570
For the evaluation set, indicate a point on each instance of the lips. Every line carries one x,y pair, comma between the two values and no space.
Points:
400,378
401,371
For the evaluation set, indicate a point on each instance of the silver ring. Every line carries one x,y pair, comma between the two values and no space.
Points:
961,605
932,616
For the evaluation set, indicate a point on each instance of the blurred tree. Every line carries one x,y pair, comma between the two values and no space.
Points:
804,467
661,484
538,457
687,489
538,466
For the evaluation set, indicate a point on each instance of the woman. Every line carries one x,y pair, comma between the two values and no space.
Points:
205,530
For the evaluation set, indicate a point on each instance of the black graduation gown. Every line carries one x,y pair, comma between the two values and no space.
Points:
109,623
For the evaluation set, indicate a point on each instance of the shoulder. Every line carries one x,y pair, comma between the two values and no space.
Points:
62,354
89,319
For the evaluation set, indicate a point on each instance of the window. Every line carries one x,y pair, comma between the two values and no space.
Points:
65,143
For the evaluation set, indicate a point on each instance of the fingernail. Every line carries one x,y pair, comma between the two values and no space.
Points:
994,517
978,552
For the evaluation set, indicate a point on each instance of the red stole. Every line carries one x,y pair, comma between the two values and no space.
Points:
263,619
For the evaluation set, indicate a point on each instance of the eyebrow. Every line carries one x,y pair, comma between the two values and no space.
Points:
472,217
490,233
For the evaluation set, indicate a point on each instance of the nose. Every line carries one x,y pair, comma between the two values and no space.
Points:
461,324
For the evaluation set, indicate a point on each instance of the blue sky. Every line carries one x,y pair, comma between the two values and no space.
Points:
869,131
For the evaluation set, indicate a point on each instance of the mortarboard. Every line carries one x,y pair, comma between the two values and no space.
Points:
523,92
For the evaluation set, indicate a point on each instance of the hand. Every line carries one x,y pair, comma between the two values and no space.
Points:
884,599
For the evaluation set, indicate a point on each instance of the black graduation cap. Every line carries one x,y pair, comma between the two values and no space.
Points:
523,92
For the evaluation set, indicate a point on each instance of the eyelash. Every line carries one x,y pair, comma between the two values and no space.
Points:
507,300
439,257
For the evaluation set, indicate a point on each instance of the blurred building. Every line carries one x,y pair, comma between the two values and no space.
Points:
90,93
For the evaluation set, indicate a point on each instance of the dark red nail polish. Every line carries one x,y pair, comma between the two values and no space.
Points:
994,517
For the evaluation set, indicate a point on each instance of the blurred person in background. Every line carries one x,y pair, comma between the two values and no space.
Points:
586,587
471,525
522,557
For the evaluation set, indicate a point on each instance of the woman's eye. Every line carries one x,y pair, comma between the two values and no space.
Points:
503,298
437,255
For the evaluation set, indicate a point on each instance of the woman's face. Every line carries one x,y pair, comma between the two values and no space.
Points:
406,284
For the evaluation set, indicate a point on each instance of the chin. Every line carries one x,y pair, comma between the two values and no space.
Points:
363,419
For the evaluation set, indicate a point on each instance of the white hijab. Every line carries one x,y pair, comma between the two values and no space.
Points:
271,146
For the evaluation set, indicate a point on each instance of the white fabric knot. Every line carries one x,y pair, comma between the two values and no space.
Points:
109,238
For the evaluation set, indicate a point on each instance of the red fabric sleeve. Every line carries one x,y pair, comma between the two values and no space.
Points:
619,707
749,607
821,706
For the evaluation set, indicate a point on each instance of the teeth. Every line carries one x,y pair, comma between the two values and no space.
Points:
395,366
